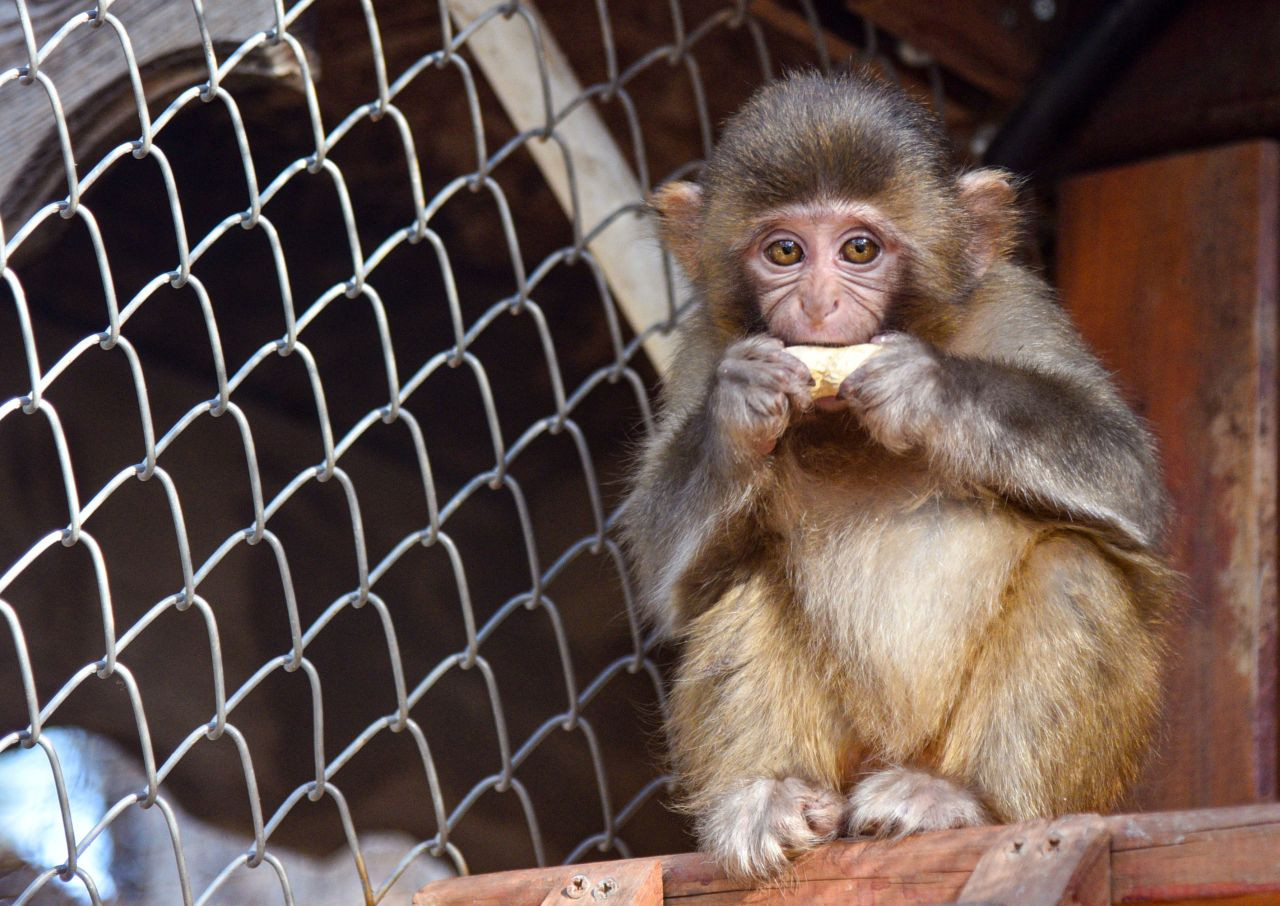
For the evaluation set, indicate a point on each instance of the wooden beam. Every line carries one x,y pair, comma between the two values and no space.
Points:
1169,267
1182,857
513,63
1218,856
993,44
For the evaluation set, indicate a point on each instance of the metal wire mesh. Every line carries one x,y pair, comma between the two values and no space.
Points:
238,354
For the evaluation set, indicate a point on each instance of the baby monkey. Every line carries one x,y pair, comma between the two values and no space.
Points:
932,599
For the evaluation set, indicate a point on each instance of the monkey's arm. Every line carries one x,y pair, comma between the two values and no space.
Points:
704,469
1032,418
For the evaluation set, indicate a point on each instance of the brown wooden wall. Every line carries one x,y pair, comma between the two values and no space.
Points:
1169,267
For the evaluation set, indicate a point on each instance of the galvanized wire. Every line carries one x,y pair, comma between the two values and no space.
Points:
678,46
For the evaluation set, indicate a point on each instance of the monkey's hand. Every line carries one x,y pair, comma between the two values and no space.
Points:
896,393
757,386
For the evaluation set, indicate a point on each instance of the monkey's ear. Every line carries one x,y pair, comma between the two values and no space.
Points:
679,209
990,195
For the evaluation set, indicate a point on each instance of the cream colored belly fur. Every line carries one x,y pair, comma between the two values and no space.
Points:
955,556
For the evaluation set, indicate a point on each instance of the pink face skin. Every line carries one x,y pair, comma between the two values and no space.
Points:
827,297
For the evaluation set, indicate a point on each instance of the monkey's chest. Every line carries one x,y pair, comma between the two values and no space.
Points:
891,577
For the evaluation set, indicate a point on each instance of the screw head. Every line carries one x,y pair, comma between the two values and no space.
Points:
605,889
577,887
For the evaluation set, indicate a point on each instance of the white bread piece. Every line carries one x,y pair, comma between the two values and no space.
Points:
830,365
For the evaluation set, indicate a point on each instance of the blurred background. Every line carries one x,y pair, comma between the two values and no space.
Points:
328,331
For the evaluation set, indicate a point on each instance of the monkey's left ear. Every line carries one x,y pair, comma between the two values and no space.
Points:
679,209
989,195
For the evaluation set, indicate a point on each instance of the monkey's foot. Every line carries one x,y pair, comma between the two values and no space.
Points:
752,830
899,801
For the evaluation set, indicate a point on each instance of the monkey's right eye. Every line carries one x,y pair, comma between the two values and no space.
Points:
784,252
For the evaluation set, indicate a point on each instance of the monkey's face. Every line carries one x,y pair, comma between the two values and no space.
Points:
824,272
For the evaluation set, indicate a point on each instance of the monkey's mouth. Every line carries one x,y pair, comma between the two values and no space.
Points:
828,334
827,342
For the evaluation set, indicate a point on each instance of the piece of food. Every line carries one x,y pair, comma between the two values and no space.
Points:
830,365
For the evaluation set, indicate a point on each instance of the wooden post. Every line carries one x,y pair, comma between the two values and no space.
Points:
1169,267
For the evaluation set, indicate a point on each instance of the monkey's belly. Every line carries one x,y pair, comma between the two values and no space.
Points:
900,584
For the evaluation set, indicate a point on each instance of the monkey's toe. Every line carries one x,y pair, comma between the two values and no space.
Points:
900,801
753,830
820,809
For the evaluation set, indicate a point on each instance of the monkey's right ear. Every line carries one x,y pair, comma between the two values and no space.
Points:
990,196
679,209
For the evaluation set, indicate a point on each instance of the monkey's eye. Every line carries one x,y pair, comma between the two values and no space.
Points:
784,252
860,250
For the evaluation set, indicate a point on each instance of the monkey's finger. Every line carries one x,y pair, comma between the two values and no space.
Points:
849,387
798,368
799,392
801,400
754,348
744,371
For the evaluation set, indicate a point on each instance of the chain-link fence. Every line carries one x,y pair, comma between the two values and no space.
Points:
322,358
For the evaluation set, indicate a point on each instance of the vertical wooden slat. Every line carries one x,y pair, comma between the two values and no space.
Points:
1065,862
1169,267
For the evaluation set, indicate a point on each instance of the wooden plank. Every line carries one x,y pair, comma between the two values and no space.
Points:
1169,267
626,251
1155,858
1168,828
991,43
1242,861
1219,856
926,869
1045,863
930,868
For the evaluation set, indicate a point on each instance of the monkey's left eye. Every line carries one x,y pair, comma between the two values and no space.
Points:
784,252
860,250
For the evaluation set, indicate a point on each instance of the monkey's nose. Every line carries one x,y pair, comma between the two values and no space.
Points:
817,308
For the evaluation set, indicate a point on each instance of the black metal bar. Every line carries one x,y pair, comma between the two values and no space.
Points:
1073,78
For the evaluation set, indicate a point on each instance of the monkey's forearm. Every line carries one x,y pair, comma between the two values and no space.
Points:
708,464
1061,445
1046,443
693,487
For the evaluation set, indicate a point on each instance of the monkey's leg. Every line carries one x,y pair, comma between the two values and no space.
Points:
754,736
1063,691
